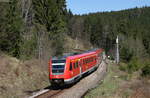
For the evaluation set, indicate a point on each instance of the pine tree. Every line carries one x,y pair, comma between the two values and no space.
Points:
13,28
51,15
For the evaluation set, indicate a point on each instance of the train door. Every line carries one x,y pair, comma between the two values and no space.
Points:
71,68
83,65
75,68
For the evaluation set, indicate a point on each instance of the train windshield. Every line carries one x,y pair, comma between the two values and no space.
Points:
58,66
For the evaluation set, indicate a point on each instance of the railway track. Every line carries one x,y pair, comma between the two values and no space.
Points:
47,93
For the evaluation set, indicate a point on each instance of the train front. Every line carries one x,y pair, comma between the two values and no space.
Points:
56,71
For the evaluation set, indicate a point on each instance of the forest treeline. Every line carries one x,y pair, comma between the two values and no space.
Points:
132,26
33,28
101,29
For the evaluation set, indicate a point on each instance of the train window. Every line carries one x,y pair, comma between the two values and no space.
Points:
74,64
58,61
84,61
70,66
77,64
80,63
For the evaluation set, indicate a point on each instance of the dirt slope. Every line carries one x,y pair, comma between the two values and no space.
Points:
18,78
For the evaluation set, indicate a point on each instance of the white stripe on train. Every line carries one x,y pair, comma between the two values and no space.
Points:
58,63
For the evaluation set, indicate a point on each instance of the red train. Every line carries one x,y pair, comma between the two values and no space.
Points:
70,68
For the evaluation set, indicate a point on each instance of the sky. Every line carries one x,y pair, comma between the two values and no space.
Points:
90,6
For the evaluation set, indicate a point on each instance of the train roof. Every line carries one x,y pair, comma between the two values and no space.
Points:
64,56
73,55
81,55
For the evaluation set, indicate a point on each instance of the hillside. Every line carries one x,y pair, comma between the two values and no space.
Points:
35,30
18,78
101,29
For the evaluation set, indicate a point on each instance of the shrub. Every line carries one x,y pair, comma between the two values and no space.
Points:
132,66
146,71
126,55
123,66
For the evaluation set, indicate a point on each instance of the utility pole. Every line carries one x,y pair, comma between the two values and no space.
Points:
117,50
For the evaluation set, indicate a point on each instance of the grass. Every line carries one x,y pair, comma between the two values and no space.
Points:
108,87
120,84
